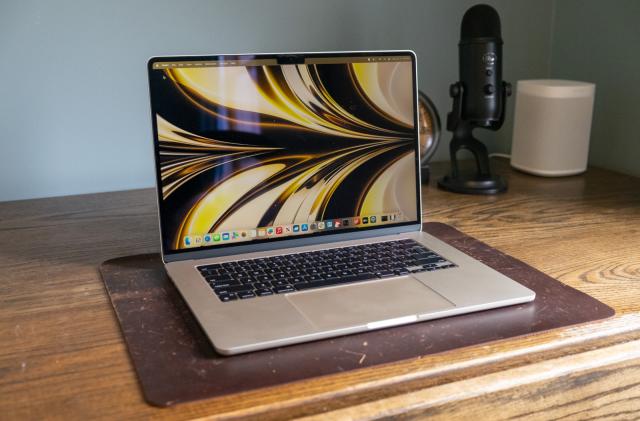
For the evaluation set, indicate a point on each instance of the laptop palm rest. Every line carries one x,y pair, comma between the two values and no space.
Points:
375,303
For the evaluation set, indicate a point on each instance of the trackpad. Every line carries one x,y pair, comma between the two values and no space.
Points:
374,301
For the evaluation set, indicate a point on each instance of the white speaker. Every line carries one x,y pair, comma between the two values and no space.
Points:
552,126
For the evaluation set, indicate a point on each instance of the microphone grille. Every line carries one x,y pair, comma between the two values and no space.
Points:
480,21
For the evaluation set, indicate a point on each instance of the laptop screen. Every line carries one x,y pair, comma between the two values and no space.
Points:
258,149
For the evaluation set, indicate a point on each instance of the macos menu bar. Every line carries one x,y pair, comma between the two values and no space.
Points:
229,61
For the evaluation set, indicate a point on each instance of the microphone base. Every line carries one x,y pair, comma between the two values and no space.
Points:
481,181
473,185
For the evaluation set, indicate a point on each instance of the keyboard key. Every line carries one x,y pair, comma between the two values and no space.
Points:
234,288
212,276
367,275
423,254
279,283
284,289
227,297
385,274
246,294
429,260
224,283
263,291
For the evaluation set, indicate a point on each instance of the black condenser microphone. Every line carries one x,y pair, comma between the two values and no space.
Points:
480,57
479,99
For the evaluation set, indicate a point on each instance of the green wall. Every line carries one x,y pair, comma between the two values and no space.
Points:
74,114
599,42
74,108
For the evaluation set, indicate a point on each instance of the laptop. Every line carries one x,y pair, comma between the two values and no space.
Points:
290,202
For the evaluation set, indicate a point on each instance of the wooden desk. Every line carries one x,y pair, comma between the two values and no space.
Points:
62,354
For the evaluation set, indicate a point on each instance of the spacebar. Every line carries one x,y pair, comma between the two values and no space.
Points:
334,281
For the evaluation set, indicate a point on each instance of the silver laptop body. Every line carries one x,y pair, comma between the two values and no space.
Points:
274,171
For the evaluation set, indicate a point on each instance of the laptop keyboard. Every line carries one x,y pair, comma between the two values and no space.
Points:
265,276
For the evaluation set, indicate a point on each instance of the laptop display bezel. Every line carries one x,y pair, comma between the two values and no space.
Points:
299,240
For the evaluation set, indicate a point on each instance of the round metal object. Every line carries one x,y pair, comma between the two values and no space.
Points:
429,122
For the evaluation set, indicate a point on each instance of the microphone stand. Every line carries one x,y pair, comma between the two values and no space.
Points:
483,182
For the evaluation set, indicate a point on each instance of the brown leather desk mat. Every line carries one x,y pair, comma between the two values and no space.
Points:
175,362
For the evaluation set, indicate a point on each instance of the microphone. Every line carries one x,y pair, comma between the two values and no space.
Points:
480,58
479,99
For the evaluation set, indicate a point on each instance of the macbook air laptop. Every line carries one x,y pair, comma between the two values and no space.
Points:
289,199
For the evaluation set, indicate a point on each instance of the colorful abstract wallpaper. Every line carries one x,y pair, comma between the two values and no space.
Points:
242,147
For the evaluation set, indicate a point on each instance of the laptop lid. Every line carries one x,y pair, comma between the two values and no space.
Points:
265,151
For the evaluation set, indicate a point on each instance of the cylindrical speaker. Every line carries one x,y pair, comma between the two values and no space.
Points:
552,127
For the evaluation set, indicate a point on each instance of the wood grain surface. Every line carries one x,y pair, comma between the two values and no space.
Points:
62,355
